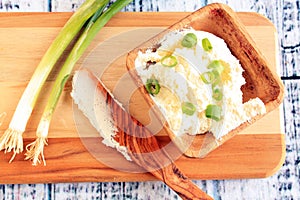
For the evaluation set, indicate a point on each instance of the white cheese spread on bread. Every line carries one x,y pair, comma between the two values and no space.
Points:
189,75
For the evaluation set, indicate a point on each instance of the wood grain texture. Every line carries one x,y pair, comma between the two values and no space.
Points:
40,38
285,15
119,20
282,185
78,165
74,164
261,78
143,147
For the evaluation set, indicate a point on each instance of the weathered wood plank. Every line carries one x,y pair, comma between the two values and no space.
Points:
283,185
24,6
137,6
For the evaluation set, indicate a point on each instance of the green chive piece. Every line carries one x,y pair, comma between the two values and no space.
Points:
208,77
206,45
218,79
216,83
188,108
152,86
169,61
217,94
189,40
216,66
213,112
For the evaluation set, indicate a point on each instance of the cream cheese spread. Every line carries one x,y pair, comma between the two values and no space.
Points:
180,81
93,105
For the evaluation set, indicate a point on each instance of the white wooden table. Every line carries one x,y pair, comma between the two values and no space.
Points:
285,184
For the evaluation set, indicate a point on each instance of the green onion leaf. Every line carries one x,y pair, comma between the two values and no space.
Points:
217,94
189,40
208,77
216,82
152,86
213,112
206,45
188,108
169,61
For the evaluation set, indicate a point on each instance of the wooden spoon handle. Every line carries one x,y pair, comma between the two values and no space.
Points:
145,151
176,180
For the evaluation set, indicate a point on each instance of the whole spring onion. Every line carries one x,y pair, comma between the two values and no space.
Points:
188,108
213,112
189,40
12,139
35,149
206,45
152,86
169,61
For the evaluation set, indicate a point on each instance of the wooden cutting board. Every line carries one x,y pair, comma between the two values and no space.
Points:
258,151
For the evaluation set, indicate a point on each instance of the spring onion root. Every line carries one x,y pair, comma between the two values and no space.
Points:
12,139
35,149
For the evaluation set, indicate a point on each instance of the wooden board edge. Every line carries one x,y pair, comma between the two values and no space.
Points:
58,19
78,165
46,176
281,161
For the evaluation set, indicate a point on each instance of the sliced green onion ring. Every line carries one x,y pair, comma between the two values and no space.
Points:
213,112
216,66
188,108
206,45
217,94
208,77
169,61
217,81
189,40
152,86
